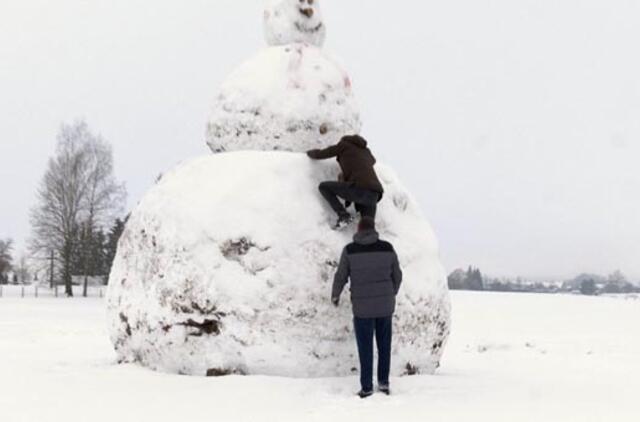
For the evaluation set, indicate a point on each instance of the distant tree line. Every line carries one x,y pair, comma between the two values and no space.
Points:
593,284
471,279
74,224
586,284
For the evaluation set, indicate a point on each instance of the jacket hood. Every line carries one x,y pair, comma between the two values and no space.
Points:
366,237
356,140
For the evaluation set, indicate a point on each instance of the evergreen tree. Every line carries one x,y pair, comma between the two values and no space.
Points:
99,254
5,259
111,245
474,279
89,258
588,287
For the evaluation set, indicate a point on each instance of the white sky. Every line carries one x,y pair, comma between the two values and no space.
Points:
516,123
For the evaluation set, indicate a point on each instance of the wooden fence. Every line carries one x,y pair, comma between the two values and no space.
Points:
35,291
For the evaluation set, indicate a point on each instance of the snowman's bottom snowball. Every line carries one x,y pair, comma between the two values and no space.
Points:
226,266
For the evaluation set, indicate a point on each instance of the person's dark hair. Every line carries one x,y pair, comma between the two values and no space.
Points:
366,223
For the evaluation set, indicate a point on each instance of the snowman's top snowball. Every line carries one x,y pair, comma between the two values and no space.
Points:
293,21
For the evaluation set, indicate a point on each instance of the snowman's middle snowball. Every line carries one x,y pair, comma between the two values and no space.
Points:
287,98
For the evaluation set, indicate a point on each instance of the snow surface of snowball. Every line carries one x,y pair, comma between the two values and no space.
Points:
226,266
294,21
290,98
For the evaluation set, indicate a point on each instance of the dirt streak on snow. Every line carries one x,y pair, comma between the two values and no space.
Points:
510,358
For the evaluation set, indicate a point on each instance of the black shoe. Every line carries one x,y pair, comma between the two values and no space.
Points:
384,389
364,394
343,222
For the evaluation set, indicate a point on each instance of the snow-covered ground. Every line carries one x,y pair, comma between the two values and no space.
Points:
511,357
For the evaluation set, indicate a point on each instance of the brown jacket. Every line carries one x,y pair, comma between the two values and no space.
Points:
356,162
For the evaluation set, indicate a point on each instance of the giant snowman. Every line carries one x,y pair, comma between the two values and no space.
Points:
226,264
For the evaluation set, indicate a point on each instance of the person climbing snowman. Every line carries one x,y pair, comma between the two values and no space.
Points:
358,184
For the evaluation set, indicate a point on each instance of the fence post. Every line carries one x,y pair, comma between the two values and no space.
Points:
56,289
36,290
51,270
22,291
0,290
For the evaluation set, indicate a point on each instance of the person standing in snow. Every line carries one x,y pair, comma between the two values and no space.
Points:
374,271
359,183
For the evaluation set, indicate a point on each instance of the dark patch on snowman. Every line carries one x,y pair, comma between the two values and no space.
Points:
410,369
221,372
198,329
233,249
125,320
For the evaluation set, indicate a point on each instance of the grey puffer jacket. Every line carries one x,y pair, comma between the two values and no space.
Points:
374,271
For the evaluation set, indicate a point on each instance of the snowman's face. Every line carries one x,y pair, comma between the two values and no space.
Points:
291,21
308,20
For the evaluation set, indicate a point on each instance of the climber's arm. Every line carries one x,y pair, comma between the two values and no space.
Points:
323,154
341,278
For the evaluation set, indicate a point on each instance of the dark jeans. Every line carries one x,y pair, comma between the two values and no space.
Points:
365,329
366,200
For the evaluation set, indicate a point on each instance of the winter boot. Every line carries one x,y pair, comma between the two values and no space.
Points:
364,394
343,222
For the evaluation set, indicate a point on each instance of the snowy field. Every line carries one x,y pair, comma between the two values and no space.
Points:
511,357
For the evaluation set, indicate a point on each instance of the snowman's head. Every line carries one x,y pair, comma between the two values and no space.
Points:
291,21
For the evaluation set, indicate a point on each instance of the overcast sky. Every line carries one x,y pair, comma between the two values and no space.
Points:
515,123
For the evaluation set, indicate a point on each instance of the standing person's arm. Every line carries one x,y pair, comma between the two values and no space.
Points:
323,154
396,273
341,278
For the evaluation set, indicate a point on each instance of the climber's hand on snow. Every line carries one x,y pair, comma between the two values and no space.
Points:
335,301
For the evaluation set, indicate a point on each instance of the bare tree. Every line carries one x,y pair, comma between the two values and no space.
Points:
5,257
104,196
78,190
